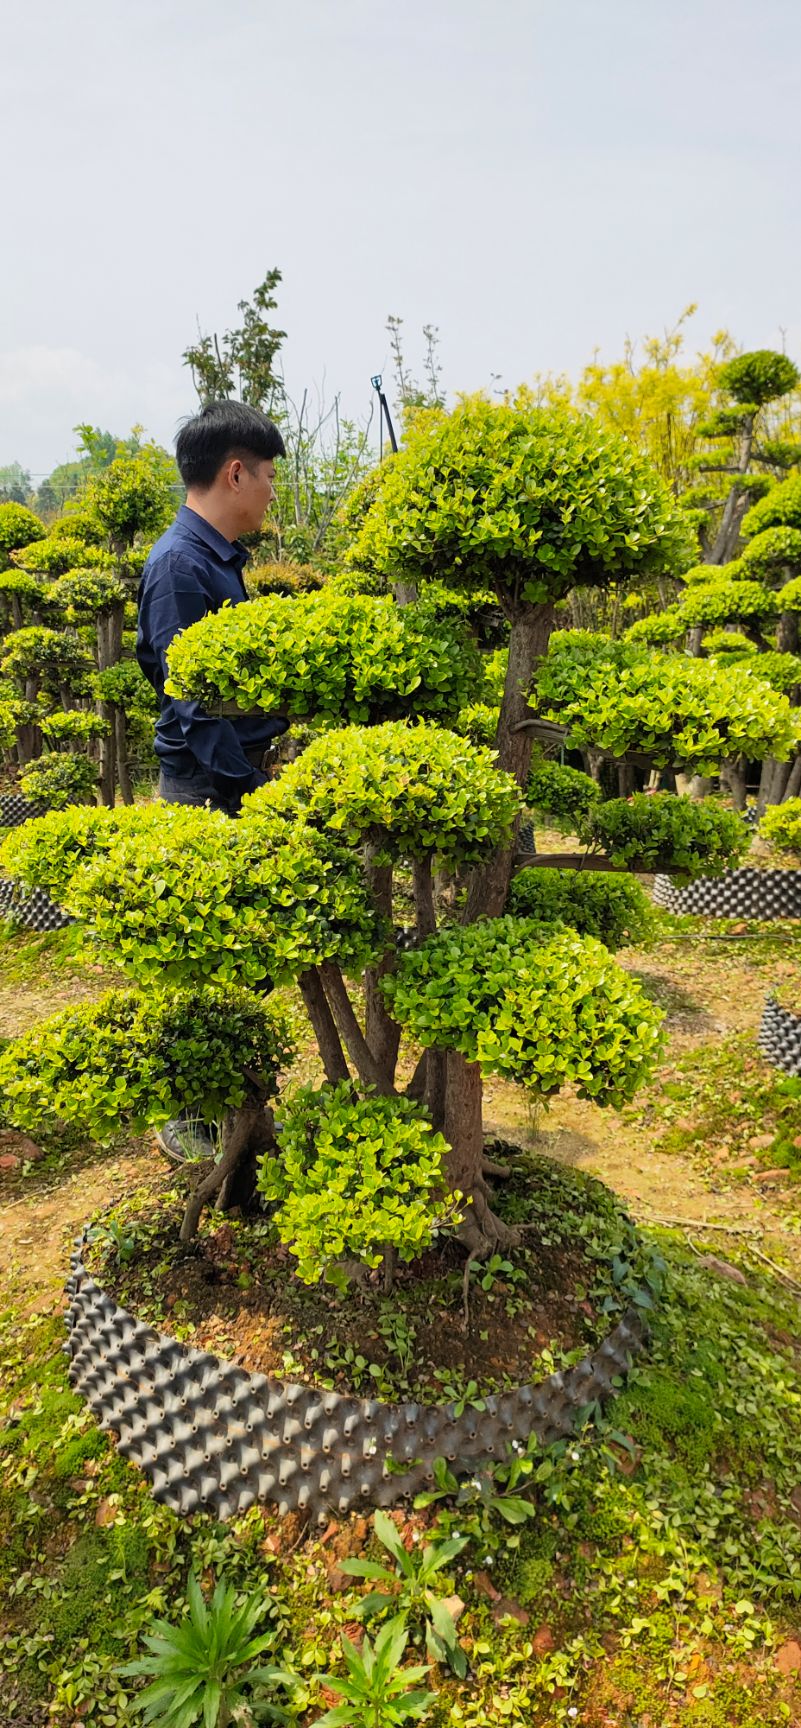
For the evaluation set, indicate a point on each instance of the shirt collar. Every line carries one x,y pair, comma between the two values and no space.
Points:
232,551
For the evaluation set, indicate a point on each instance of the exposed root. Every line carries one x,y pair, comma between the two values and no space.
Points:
501,1172
483,1233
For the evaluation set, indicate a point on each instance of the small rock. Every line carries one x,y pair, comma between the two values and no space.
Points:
106,1512
484,1583
761,1142
28,1150
337,1580
8,1161
543,1641
788,1657
507,1609
454,1605
722,1269
770,1176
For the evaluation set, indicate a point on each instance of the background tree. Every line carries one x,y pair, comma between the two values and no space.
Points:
327,454
241,362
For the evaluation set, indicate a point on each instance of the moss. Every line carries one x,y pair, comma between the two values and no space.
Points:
728,1699
662,1411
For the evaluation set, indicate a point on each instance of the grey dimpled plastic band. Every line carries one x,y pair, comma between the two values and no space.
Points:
35,910
737,894
15,809
780,1037
211,1437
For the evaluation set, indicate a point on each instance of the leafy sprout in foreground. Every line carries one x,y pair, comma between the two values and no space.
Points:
378,1692
409,1588
202,1671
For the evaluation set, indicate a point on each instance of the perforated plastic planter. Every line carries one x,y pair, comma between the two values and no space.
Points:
737,894
36,911
211,1437
780,1037
15,809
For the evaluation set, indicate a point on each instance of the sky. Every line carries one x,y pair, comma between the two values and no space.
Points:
539,180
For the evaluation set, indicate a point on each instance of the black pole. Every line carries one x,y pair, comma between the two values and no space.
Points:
377,384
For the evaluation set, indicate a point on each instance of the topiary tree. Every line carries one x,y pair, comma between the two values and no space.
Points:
750,382
328,878
44,667
129,1060
529,504
18,527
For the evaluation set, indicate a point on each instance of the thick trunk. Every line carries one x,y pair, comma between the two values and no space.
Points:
732,772
694,635
425,912
528,643
766,775
787,633
793,787
779,781
481,1232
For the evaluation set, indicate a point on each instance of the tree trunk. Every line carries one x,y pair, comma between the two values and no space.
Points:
735,506
733,773
244,1130
694,635
425,912
787,633
481,1232
369,1070
766,775
324,1027
778,784
108,757
528,643
382,1032
121,748
793,787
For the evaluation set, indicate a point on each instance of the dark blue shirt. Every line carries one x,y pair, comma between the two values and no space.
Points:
193,570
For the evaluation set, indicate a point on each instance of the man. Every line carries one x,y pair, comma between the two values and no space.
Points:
226,457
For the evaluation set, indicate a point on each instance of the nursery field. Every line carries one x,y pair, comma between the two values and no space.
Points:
647,1572
475,1153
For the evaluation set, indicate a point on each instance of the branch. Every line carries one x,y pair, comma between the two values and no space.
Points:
323,1027
370,1071
581,861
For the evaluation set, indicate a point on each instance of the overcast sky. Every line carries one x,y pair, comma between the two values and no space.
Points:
537,179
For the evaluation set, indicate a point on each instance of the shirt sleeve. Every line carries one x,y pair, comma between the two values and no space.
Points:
175,600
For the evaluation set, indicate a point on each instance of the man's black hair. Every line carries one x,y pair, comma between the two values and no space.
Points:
220,431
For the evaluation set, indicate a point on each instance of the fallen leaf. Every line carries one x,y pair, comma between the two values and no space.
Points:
722,1268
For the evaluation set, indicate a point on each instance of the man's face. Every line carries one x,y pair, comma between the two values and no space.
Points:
255,491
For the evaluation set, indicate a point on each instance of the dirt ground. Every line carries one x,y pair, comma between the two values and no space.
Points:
709,988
